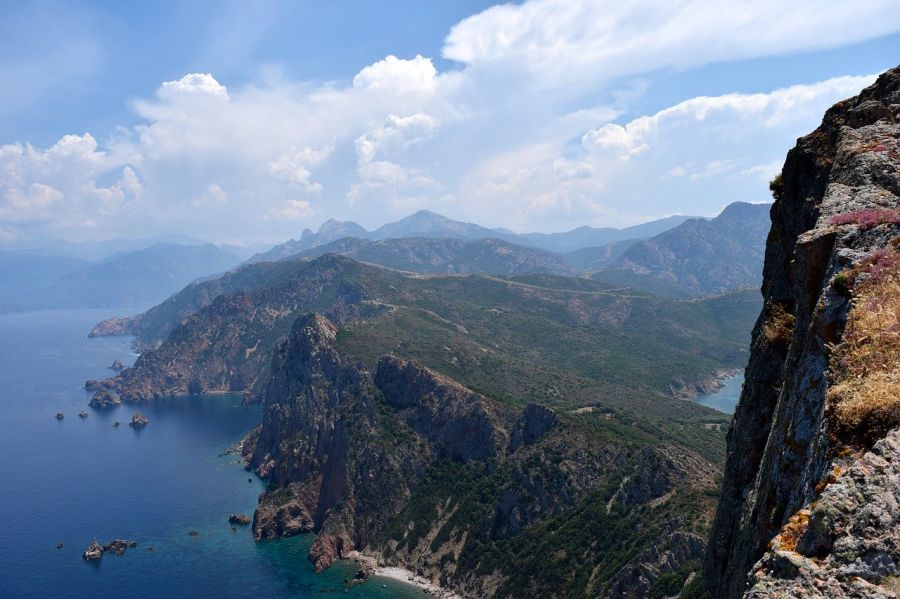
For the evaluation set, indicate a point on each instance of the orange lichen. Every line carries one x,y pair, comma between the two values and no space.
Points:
791,532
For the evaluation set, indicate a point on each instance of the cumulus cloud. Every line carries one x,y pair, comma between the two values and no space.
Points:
417,75
194,84
514,135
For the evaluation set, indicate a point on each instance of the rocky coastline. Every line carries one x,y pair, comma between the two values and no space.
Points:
702,386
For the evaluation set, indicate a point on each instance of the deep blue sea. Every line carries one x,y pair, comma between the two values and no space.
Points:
726,398
72,480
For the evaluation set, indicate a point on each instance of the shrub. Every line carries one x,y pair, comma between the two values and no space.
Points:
866,219
776,186
864,399
843,283
779,325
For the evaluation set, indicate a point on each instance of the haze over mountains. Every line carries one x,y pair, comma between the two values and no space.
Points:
677,256
34,280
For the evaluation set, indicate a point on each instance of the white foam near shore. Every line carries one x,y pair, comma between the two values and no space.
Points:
403,575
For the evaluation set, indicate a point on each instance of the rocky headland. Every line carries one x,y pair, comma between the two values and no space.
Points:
412,467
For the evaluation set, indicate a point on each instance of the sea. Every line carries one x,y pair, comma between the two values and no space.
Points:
726,398
66,482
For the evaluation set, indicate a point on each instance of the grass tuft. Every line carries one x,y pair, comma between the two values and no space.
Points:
864,399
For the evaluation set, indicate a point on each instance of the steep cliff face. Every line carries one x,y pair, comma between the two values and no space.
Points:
834,228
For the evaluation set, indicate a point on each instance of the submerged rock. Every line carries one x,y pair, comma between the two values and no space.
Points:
193,533
138,420
60,415
117,546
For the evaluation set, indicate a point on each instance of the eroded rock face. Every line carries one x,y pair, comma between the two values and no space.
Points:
456,421
852,540
778,445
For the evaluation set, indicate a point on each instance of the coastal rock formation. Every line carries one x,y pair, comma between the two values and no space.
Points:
226,346
104,399
239,519
112,327
802,490
117,365
138,420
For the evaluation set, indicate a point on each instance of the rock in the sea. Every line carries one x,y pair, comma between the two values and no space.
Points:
239,519
59,545
117,546
193,533
116,423
138,420
104,399
82,414
95,551
117,365
60,415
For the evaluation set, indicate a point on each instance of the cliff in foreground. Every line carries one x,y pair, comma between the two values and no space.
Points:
809,500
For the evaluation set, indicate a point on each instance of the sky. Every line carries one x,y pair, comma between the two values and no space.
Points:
246,122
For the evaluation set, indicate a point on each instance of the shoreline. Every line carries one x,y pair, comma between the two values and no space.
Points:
401,574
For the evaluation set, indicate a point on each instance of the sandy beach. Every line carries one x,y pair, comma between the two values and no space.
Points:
403,575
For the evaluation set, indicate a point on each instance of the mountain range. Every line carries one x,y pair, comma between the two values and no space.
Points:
696,256
33,280
425,223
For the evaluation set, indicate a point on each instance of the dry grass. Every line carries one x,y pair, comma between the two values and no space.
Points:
864,399
779,325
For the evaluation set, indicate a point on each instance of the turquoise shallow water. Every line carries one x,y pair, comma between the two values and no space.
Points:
68,481
726,398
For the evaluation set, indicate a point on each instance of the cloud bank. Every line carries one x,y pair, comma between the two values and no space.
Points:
509,138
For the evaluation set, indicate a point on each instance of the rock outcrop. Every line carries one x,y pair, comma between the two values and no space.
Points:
790,475
138,420
104,399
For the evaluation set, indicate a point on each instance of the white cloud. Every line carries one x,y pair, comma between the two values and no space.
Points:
517,135
768,110
290,210
580,42
397,75
397,133
194,84
293,168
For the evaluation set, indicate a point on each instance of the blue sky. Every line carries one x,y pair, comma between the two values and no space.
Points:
248,121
